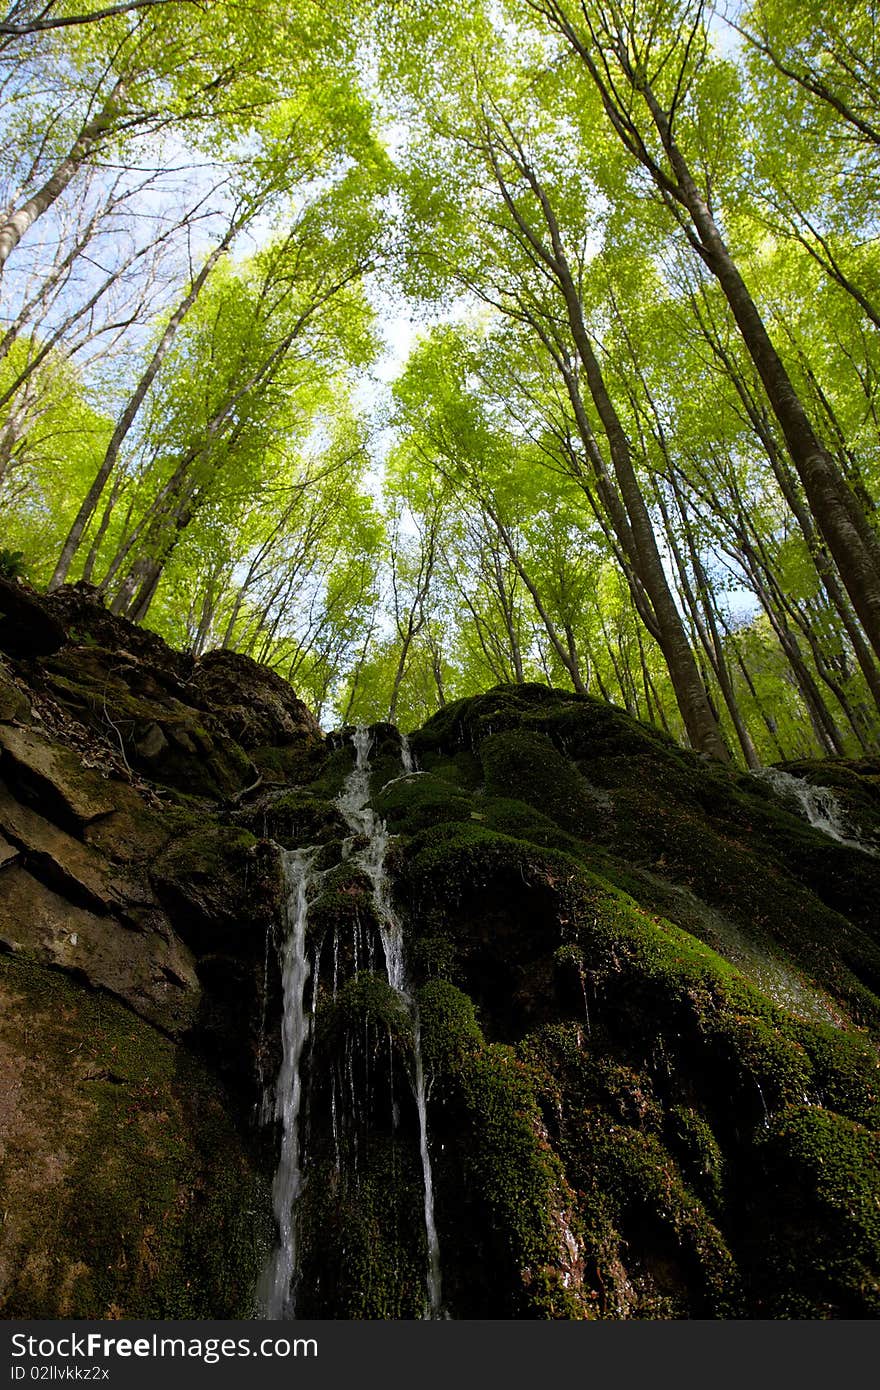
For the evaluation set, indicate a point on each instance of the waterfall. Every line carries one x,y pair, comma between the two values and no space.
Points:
818,804
406,754
434,1303
353,802
276,1292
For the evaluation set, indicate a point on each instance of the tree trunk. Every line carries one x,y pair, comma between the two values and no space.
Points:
14,227
851,540
129,414
848,533
690,692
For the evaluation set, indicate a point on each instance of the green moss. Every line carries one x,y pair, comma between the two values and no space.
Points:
344,905
419,801
524,822
846,1072
299,818
334,770
159,1214
655,979
207,853
363,1235
222,888
460,768
528,767
190,759
286,764
633,1188
366,1001
449,1028
434,956
817,1217
578,725
511,1169
500,1174
647,1178
698,1152
445,864
720,833
14,704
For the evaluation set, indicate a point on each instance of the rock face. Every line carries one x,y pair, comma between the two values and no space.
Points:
133,927
648,1002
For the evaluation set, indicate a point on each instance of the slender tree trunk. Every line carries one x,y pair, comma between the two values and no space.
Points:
619,666
506,604
97,539
767,720
848,533
705,621
824,727
540,608
398,676
14,227
853,543
699,720
129,414
690,691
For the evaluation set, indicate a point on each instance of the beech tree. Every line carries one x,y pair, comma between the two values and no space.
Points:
635,446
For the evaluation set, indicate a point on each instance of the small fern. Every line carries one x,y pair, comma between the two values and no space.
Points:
12,564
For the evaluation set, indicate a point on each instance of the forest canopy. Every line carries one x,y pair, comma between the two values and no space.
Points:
413,348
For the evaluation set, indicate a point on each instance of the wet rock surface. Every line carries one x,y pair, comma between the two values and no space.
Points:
648,1003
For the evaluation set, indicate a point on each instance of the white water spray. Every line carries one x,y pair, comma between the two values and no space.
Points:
818,805
353,802
276,1292
406,754
434,1284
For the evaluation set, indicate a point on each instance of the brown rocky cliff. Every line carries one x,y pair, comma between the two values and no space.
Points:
133,921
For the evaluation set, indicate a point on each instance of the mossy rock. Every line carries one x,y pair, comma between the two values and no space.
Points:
343,909
504,1208
289,764
815,1232
297,819
856,784
167,741
527,767
14,704
222,888
338,762
366,1001
363,1237
417,801
127,1189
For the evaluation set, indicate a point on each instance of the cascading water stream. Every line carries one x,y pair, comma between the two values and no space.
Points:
276,1292
434,1282
818,804
406,754
363,821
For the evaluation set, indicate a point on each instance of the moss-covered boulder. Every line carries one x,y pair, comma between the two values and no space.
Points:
222,888
128,1189
685,972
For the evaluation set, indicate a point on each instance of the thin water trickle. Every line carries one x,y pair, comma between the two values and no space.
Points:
276,1292
354,803
406,754
334,1123
766,1120
434,1309
264,1107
